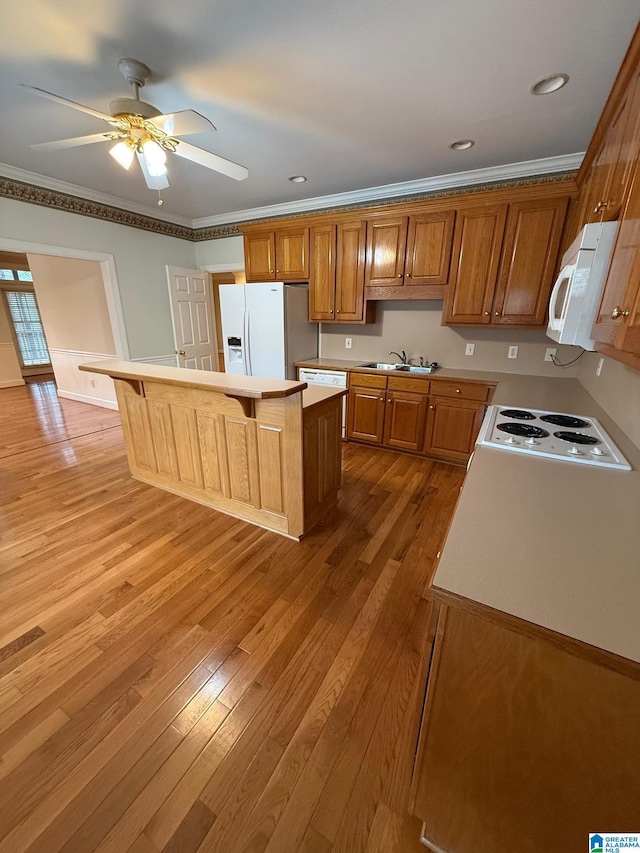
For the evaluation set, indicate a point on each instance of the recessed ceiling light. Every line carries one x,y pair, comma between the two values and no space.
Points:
549,84
297,179
462,144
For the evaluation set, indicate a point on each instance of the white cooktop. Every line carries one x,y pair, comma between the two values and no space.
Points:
554,435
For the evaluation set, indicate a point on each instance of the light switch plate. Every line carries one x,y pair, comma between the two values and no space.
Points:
513,352
469,349
347,343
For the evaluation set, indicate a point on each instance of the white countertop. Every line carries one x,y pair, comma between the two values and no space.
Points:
552,542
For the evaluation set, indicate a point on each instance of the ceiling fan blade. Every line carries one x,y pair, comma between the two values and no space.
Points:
51,97
153,182
183,123
212,161
73,142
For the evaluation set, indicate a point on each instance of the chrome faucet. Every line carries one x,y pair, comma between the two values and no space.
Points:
403,357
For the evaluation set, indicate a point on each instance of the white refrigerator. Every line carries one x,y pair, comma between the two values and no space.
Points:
266,328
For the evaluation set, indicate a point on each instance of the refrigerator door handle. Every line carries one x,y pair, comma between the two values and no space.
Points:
244,343
247,348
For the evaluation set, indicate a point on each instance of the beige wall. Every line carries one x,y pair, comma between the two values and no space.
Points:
416,327
617,390
72,304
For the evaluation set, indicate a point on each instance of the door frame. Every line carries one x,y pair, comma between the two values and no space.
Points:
109,279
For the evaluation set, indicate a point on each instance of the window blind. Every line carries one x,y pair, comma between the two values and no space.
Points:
29,334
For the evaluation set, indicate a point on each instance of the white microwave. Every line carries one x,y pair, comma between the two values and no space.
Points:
576,293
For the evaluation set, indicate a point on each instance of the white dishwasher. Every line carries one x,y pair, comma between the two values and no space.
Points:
336,378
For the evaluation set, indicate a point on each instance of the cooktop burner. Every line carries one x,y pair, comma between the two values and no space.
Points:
568,421
521,415
576,437
525,430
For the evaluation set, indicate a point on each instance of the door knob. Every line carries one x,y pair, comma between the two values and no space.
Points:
619,312
181,352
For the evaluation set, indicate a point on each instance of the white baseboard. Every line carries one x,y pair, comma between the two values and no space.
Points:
12,383
93,401
163,360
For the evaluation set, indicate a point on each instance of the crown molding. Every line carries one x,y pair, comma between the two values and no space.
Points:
31,188
36,180
430,186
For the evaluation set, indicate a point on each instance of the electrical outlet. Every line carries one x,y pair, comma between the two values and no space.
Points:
92,382
550,353
469,349
599,367
513,352
347,343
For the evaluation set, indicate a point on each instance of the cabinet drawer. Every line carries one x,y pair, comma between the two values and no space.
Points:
367,380
399,383
460,390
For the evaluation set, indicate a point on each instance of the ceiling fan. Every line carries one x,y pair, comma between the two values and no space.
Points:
140,130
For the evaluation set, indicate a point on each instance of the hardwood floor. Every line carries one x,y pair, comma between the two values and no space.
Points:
174,680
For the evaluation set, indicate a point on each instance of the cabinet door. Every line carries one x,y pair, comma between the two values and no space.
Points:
292,254
259,256
404,420
529,254
476,255
618,319
366,414
351,244
322,278
452,427
386,245
429,243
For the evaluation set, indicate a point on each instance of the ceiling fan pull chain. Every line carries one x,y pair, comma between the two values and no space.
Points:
160,201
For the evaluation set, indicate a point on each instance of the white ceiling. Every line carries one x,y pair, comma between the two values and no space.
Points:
351,93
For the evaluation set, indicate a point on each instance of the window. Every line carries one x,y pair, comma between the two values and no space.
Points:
28,327
15,275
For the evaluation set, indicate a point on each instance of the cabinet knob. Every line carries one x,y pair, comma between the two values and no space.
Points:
497,313
408,275
619,312
457,390
399,275
337,310
389,402
432,407
600,206
487,313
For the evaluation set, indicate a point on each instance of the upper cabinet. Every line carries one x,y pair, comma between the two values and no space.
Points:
504,260
336,281
277,255
408,257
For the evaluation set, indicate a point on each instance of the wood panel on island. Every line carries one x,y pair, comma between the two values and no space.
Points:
439,418
265,451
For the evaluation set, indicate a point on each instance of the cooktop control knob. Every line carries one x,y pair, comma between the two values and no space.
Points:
597,452
574,451
511,440
531,442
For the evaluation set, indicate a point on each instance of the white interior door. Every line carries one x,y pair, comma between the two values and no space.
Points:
192,315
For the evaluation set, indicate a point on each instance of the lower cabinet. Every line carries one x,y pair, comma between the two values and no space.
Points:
452,427
519,730
437,418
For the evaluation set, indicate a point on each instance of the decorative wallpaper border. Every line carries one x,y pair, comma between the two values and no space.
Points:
32,194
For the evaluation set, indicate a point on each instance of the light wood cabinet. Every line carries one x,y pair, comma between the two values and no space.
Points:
617,326
336,282
404,419
474,270
504,259
452,427
439,418
277,255
409,256
515,722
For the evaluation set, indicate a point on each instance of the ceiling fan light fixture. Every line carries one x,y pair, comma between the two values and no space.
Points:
155,158
122,154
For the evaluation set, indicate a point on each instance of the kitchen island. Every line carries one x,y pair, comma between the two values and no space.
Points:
267,451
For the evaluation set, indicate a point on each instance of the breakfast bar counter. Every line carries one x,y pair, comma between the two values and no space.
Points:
267,451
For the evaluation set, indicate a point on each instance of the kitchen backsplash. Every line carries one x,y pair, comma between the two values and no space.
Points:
617,390
415,327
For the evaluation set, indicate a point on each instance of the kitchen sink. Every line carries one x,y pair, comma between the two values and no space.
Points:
404,368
